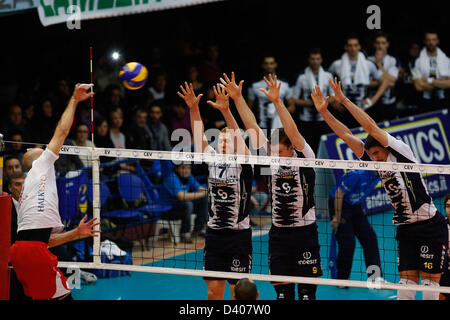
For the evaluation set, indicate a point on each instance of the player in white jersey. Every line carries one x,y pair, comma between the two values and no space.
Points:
293,239
39,223
420,227
267,115
228,242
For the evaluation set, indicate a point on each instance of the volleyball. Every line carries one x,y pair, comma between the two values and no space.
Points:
133,75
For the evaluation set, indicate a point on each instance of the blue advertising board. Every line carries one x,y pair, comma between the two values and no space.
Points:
426,134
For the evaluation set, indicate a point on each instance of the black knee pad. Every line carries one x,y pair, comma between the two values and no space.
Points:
285,291
307,291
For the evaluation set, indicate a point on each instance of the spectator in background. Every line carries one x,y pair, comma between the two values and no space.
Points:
157,89
11,165
14,122
245,289
312,123
180,118
267,116
386,106
408,96
184,193
16,147
102,138
210,69
61,96
83,115
28,116
355,72
82,140
193,77
431,75
158,130
112,99
45,121
115,128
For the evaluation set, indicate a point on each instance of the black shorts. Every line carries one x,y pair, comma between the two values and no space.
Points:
422,245
295,251
228,251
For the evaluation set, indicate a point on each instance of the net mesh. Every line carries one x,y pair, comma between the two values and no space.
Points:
134,194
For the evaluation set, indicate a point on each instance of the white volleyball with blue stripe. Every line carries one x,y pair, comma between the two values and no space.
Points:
133,75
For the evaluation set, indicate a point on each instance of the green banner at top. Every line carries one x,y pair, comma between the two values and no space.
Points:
71,11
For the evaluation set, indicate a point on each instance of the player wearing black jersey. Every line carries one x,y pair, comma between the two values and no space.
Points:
422,236
293,237
228,239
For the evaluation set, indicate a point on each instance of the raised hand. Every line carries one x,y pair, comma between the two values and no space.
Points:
233,89
336,86
274,88
86,229
80,93
189,96
317,97
222,99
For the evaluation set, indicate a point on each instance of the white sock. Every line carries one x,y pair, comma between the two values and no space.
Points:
429,295
406,294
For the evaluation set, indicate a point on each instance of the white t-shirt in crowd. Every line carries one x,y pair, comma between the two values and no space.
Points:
38,203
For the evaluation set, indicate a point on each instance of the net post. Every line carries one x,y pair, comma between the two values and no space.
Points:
96,203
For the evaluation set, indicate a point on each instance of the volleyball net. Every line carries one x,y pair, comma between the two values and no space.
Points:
135,194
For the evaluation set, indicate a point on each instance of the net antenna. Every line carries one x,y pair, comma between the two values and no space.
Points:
95,175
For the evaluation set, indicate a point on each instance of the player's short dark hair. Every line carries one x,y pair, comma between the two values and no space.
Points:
314,51
245,290
371,142
279,136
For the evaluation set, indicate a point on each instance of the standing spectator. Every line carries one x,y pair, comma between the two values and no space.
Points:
386,106
158,130
312,123
431,75
267,115
355,72
115,130
187,197
407,94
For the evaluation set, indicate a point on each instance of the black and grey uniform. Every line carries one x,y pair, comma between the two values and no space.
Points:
228,243
421,234
445,278
293,238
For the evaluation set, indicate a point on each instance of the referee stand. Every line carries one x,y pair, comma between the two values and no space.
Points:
5,232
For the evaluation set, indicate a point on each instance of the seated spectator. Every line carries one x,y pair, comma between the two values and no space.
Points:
83,115
182,191
44,122
14,122
210,69
157,88
180,118
158,130
193,77
82,140
11,166
408,96
115,128
432,75
102,138
16,146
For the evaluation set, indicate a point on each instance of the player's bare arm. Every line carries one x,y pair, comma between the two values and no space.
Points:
223,105
257,136
65,123
368,124
343,132
273,94
192,101
84,229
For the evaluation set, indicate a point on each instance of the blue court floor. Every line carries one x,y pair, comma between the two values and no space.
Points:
151,286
